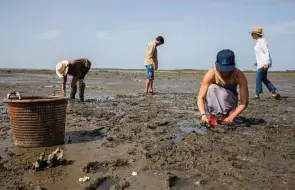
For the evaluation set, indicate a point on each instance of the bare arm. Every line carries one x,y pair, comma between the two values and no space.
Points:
244,96
154,63
207,80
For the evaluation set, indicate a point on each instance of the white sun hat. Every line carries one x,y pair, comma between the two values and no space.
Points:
62,68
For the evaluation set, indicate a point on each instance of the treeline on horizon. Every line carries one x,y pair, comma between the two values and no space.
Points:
6,70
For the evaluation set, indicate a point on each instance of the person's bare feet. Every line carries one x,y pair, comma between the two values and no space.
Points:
151,91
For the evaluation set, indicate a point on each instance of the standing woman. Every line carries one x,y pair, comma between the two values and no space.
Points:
263,63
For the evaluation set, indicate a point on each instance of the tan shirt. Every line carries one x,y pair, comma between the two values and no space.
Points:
151,52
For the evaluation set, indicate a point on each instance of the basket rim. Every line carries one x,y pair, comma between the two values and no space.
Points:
32,99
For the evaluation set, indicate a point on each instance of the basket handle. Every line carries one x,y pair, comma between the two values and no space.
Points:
14,94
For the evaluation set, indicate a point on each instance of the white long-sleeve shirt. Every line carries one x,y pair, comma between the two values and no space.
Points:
262,53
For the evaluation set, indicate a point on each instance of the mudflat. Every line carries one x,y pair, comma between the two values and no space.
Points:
123,139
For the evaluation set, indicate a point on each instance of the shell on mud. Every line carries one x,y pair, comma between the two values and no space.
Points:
83,179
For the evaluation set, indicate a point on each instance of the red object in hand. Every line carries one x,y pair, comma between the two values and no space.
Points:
212,120
224,117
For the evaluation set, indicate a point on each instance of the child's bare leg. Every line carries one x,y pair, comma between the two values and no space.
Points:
151,89
147,85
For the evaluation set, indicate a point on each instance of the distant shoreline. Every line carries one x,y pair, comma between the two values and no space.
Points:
190,71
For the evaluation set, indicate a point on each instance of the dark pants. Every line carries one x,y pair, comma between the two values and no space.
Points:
261,76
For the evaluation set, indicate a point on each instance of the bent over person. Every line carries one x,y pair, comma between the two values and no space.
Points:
77,68
218,95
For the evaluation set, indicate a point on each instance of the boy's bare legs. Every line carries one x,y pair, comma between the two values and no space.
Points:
151,89
149,80
147,85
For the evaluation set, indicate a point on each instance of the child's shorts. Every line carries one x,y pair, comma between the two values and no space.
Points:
149,72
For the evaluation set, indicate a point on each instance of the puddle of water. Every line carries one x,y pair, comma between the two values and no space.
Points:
192,126
51,86
193,130
177,138
101,99
183,184
189,126
106,184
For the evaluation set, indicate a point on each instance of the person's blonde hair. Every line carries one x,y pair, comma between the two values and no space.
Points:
220,81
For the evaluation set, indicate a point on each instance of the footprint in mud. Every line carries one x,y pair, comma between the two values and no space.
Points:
84,136
178,183
93,167
107,183
103,183
181,183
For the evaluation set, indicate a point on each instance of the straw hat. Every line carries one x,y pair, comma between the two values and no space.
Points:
257,30
62,68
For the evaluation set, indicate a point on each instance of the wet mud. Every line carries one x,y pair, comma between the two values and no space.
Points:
123,139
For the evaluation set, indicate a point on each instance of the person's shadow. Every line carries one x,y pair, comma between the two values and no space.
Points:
83,136
247,122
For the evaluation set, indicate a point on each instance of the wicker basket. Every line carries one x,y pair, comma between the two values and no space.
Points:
37,121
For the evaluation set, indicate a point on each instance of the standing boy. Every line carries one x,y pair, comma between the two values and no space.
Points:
151,62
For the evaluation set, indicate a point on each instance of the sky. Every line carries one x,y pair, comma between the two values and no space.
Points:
38,34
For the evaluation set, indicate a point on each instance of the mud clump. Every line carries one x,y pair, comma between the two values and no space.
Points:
108,182
54,159
95,166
